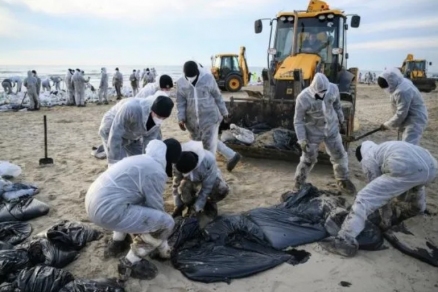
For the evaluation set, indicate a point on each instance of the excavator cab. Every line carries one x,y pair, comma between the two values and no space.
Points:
230,71
301,44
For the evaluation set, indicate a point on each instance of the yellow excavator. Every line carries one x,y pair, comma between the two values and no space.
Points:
415,70
230,70
301,44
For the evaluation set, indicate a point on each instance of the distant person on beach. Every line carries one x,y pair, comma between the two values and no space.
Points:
128,126
7,86
70,87
103,87
56,82
79,82
46,85
38,82
410,113
118,83
134,82
16,81
165,83
128,199
138,76
31,85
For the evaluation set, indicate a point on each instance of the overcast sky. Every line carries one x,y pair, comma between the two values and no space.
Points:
169,32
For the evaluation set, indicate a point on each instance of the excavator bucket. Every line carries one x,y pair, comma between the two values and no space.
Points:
424,84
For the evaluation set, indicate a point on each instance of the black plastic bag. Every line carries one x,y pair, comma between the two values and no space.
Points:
5,245
42,278
14,232
371,238
42,251
22,209
6,287
100,285
71,235
284,229
11,261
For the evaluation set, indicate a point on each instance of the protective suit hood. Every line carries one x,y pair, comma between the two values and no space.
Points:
104,70
367,149
195,147
157,150
319,84
394,78
29,74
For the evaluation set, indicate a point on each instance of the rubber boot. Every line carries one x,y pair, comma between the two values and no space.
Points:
346,186
142,269
233,162
340,246
115,248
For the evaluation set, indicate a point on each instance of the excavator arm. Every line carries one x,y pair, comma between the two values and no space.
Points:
244,66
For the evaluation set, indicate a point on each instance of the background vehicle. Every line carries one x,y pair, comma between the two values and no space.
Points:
291,68
230,70
416,71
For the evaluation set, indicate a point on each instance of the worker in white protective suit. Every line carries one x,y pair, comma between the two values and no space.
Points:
56,82
410,113
69,86
128,199
103,87
79,81
31,85
127,127
38,82
46,85
7,86
195,169
118,83
201,109
15,80
134,82
165,83
392,168
318,118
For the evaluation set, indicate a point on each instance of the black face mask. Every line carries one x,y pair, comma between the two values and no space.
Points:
317,97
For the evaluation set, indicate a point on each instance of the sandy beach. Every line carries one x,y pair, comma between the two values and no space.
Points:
73,131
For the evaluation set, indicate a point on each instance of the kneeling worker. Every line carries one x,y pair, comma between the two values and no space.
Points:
128,199
392,168
197,167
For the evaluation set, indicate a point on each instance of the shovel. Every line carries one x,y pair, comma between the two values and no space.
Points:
46,160
353,139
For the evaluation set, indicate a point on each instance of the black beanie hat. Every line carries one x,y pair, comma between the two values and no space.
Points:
191,69
173,153
166,82
162,106
187,162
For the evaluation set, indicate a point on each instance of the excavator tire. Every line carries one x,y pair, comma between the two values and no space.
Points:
233,83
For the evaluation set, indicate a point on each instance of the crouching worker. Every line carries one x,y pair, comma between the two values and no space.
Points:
392,168
197,168
128,199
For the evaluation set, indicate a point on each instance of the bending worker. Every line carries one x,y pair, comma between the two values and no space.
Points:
16,81
197,169
128,126
392,168
201,109
410,113
56,82
128,199
7,86
318,116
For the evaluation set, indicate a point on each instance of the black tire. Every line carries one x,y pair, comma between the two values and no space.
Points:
233,83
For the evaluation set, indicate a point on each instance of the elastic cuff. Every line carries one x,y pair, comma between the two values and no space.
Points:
132,257
119,236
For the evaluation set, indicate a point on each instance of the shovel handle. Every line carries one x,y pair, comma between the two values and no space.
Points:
45,136
368,133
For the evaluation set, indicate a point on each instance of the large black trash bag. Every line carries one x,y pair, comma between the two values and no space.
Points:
42,278
43,251
22,209
100,285
71,235
413,238
284,229
14,232
5,245
286,139
226,250
17,190
6,287
12,261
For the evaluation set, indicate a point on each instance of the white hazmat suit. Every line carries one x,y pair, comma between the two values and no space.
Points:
31,85
56,82
79,81
103,87
410,113
128,199
15,80
201,108
70,88
46,85
392,168
318,113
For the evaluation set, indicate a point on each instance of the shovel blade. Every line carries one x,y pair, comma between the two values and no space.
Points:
45,161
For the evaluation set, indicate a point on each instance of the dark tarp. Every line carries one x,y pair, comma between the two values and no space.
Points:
236,246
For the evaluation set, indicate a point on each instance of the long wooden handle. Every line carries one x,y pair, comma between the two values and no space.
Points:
45,136
368,133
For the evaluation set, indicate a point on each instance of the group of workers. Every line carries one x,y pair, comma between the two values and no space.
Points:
128,197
